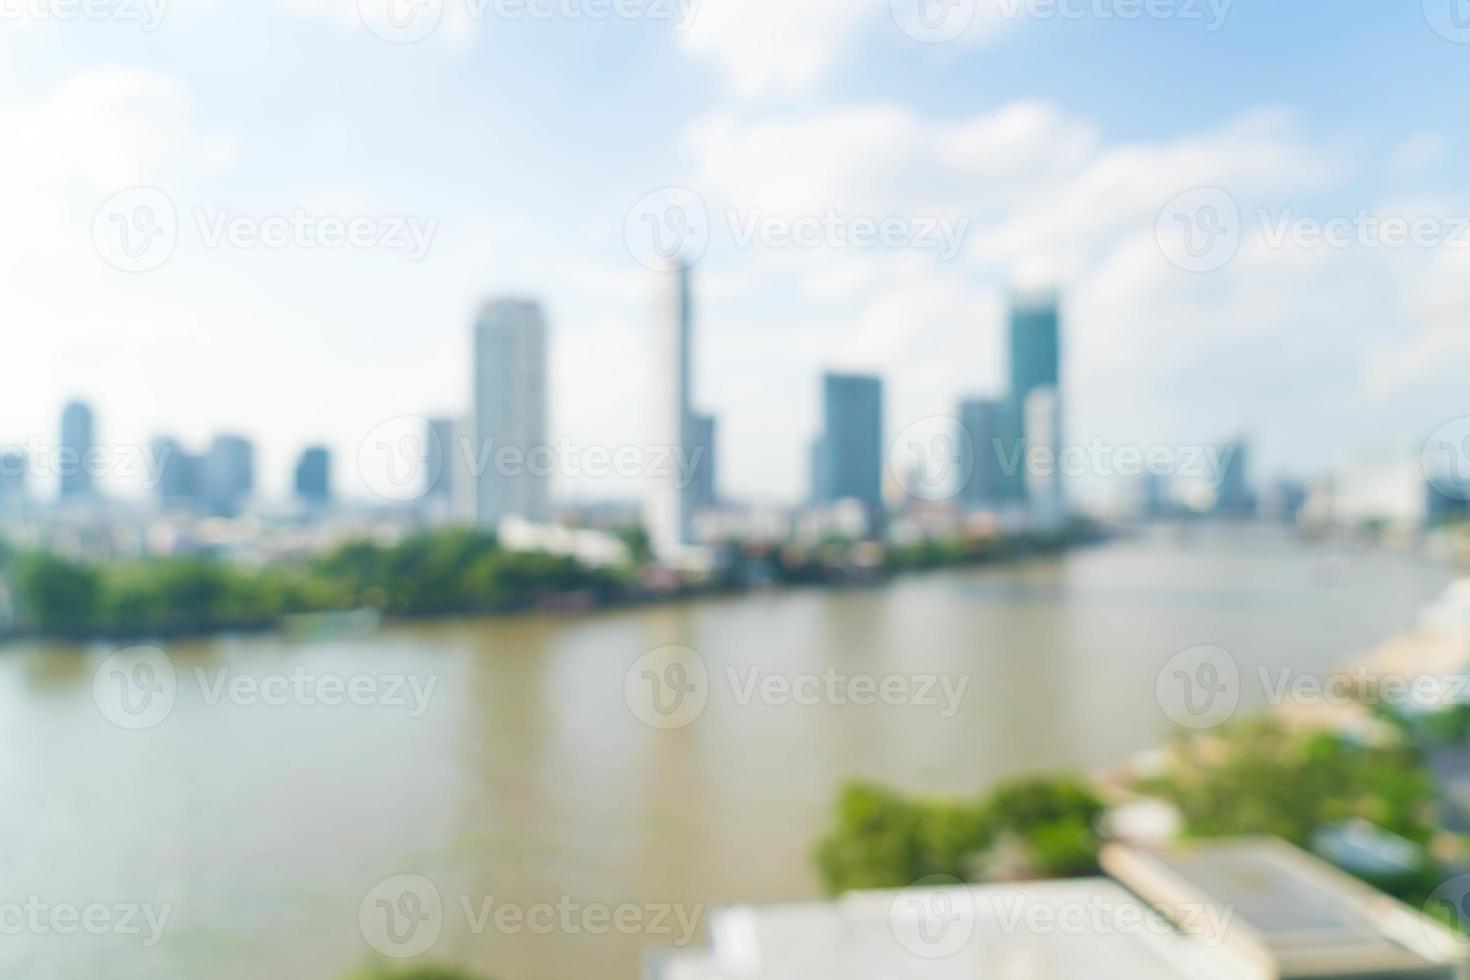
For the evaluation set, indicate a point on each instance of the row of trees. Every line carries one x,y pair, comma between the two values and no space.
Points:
1254,777
454,571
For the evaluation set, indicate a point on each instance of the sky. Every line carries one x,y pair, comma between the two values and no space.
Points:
1161,163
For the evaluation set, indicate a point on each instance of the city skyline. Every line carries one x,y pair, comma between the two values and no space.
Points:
1062,176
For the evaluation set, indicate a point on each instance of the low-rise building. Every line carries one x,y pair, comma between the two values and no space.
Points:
1313,920
1057,930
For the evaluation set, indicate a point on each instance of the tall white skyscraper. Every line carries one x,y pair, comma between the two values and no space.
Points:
668,511
1043,459
512,460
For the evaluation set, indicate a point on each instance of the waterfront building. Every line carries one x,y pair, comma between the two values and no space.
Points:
849,454
228,474
313,478
78,441
671,498
512,456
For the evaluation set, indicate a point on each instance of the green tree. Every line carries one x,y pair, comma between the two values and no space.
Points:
426,971
56,595
884,840
1257,776
1035,827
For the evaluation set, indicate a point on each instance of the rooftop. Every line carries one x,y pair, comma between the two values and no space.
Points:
1314,920
1031,931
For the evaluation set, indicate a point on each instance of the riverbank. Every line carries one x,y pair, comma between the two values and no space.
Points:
438,574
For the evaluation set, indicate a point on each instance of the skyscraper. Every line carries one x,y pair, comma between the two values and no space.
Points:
314,476
980,421
512,458
705,441
1233,495
228,474
669,506
78,439
1035,335
1043,433
177,472
850,454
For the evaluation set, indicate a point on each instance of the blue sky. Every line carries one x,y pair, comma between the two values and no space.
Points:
527,142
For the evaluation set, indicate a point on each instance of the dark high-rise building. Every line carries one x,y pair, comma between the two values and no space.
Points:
1035,352
228,474
78,439
1233,495
177,473
314,476
849,460
980,428
702,459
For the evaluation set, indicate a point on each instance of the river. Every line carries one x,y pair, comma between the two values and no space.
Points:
500,759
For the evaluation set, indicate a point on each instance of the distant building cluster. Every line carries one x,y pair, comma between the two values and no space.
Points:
974,472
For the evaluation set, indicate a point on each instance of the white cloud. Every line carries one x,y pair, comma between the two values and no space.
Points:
774,47
1419,155
1285,342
